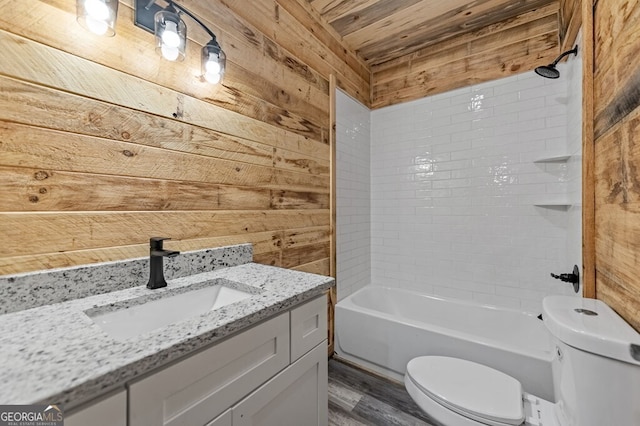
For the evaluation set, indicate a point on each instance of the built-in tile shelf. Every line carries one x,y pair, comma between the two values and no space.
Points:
555,159
562,204
554,204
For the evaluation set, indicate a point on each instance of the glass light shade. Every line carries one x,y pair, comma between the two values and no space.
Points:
98,16
171,35
214,62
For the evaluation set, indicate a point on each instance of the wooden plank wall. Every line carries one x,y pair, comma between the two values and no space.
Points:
570,15
617,155
588,156
103,144
509,47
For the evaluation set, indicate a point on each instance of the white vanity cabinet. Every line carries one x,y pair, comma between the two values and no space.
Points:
255,377
298,395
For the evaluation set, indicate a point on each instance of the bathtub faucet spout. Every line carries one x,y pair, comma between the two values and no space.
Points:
572,277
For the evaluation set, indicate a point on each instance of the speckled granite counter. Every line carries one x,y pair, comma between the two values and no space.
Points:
55,353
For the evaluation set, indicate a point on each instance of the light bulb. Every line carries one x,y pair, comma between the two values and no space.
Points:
96,26
212,66
170,36
213,78
96,10
98,16
170,53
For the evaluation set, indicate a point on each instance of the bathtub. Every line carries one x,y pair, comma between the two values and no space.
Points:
383,328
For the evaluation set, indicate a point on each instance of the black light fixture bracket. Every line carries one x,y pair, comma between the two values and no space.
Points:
146,10
144,14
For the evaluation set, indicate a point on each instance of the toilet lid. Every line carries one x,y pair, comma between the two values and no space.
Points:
472,390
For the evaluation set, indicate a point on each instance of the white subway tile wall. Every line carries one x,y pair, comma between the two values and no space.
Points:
441,194
454,188
353,183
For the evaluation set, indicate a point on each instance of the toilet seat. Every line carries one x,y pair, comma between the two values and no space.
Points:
475,392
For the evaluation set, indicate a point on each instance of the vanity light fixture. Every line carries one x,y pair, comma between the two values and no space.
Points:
171,36
98,16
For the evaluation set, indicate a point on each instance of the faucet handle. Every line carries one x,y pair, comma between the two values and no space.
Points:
155,243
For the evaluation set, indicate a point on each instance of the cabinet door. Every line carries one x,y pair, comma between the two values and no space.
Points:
199,388
295,397
111,411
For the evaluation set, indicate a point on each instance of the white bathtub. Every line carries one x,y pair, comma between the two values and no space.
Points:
383,328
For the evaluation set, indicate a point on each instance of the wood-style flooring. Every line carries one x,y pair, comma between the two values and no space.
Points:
357,397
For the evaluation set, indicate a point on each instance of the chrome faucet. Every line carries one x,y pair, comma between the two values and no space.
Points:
156,270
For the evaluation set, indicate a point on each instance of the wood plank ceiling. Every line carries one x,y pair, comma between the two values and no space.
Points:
381,30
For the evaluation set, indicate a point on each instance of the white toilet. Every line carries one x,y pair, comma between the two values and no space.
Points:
596,376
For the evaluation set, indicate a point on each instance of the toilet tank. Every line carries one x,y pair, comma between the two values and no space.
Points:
596,363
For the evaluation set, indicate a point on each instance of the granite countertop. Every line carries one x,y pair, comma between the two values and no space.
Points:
57,354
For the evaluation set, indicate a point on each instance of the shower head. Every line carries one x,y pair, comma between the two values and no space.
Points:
550,71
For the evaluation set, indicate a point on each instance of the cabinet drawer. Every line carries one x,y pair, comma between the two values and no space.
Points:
196,390
308,326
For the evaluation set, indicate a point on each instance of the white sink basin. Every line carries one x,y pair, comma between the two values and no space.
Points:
137,316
